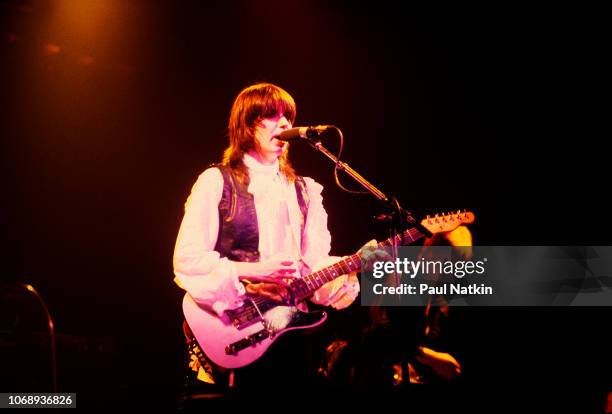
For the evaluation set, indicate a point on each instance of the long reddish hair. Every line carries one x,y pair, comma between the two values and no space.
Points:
253,104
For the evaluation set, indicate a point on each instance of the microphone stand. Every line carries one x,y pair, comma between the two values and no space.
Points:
399,217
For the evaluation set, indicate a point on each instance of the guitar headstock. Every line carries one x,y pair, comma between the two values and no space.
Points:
442,223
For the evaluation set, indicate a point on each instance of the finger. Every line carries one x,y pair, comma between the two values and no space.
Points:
258,290
257,279
352,291
289,279
344,302
285,297
275,278
279,279
272,296
267,290
275,297
278,293
350,287
354,286
285,271
284,280
337,295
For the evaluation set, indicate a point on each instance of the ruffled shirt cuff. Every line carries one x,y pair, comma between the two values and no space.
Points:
219,289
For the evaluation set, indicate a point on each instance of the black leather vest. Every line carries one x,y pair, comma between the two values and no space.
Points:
238,237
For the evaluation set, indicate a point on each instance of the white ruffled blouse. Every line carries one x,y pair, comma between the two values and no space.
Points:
212,280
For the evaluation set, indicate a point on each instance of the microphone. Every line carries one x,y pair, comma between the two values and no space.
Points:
298,133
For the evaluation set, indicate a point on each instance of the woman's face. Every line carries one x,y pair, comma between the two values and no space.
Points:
268,147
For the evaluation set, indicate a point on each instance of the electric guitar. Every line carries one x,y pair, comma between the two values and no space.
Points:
242,335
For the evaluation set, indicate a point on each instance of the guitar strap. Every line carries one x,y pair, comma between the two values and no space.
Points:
197,361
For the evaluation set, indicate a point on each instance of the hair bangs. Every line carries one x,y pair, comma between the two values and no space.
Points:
269,101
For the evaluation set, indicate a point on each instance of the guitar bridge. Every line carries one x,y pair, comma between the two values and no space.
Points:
247,341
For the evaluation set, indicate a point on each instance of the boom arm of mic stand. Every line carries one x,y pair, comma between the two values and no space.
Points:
391,203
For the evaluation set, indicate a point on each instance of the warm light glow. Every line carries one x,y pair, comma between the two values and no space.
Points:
86,60
85,19
52,49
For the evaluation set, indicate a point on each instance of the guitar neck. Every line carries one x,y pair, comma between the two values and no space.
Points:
307,285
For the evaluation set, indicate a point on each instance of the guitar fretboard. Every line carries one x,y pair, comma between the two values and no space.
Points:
305,286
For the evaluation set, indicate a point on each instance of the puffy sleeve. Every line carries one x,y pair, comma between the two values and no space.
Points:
316,246
209,279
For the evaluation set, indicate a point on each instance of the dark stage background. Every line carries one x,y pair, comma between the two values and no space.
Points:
111,109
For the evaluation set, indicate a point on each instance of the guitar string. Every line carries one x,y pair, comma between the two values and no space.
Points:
341,267
338,268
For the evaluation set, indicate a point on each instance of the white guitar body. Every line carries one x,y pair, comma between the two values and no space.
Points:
215,334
